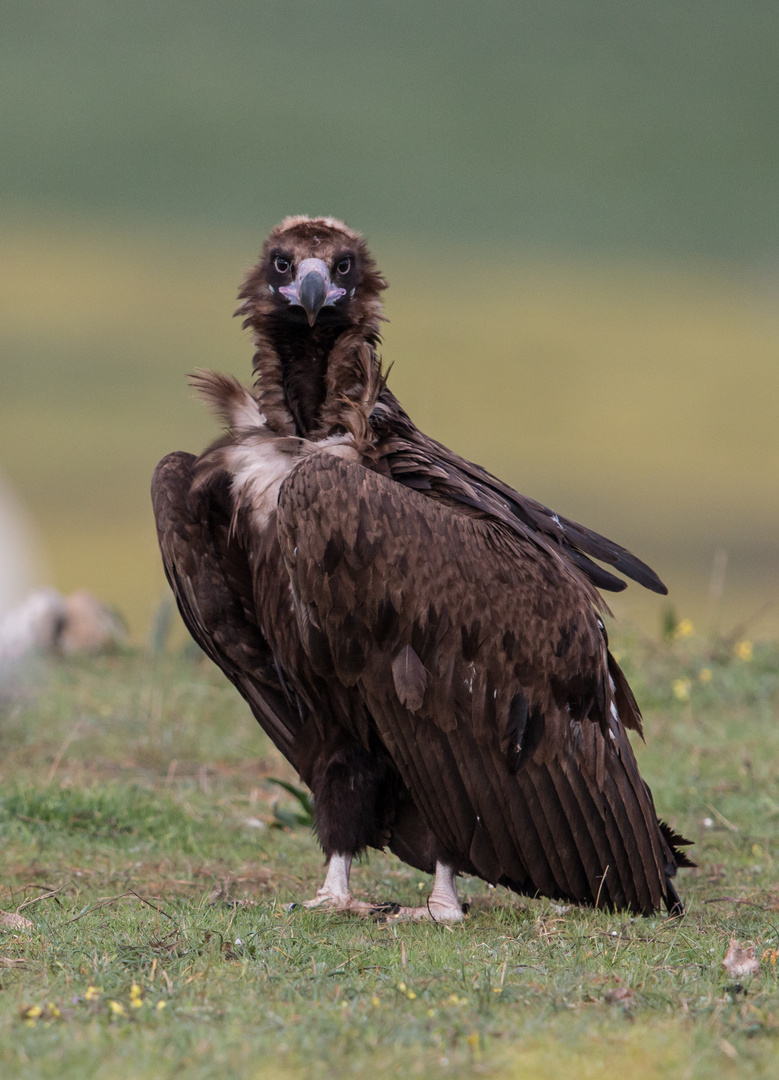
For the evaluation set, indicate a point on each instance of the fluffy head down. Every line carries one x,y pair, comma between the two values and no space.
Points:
352,271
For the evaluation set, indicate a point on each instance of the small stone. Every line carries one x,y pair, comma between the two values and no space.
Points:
739,962
255,823
9,920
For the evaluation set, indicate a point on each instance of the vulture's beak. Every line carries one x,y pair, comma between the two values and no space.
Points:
312,289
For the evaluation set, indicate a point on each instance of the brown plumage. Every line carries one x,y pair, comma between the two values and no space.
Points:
421,642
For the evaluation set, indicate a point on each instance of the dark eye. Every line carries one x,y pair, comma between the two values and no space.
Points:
281,264
344,266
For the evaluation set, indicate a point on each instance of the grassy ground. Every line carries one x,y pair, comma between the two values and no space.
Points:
140,836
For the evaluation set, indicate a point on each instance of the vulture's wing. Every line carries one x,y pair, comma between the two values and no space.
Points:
419,462
482,662
211,580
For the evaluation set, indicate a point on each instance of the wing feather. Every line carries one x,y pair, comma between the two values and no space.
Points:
211,581
480,657
419,462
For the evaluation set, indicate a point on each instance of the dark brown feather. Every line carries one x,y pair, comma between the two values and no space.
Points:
410,678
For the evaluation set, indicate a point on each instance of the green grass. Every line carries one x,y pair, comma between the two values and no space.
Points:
139,835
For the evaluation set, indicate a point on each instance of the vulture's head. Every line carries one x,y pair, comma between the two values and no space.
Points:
315,279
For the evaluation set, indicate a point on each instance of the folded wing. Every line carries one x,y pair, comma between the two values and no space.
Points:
482,662
209,573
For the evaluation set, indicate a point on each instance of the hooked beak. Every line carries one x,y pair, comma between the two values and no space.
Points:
312,289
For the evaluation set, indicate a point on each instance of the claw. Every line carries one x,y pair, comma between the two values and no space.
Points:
384,912
437,913
347,905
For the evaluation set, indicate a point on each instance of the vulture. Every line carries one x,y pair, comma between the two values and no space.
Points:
422,643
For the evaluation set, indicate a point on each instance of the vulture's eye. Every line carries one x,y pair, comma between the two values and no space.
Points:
344,266
281,264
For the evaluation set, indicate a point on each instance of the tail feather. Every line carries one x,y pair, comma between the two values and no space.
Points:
675,842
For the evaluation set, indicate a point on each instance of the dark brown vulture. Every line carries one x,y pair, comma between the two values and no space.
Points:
421,642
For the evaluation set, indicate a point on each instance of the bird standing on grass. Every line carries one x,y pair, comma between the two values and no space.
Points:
422,643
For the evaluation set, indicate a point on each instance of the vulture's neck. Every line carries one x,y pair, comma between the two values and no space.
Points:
304,357
303,376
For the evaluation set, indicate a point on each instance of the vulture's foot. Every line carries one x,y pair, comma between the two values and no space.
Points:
348,905
327,899
443,904
433,912
335,896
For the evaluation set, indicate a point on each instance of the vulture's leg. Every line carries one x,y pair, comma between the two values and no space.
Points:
443,903
358,805
354,795
335,891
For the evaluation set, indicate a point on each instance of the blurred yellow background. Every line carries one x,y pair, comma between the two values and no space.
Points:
574,210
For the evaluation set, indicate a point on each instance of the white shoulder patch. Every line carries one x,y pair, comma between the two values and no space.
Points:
259,468
260,462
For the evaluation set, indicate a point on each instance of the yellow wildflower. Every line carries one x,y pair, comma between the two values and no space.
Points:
473,1041
375,1002
411,995
704,674
431,1012
160,1005
743,650
497,989
684,629
93,993
33,1012
53,1010
116,1008
402,987
681,689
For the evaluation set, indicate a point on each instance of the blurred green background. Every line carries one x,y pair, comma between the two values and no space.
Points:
576,206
